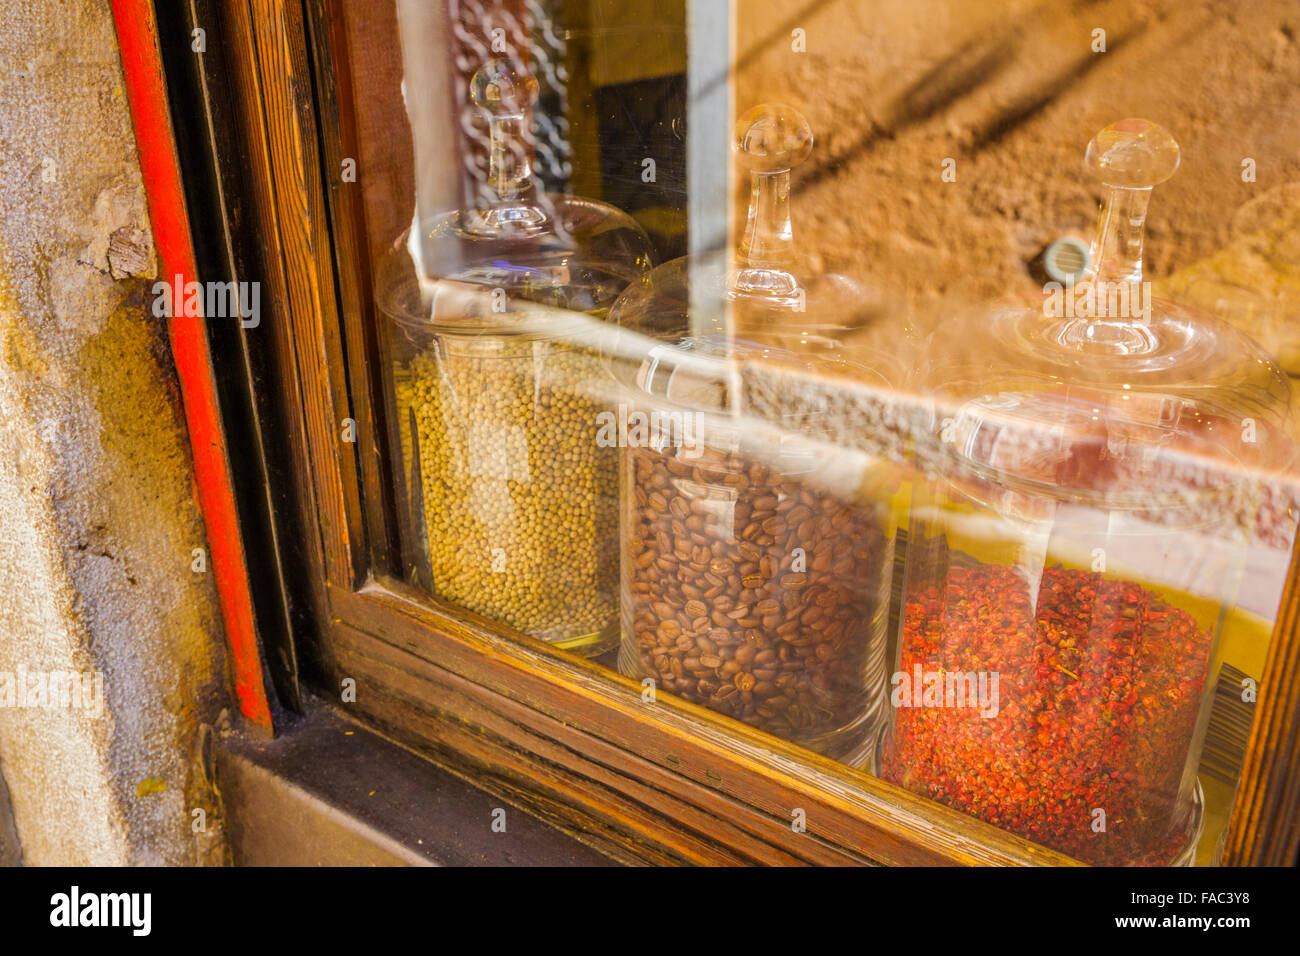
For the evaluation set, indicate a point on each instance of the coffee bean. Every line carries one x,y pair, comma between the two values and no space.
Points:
784,650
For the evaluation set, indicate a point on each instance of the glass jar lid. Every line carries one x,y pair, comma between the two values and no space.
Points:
698,318
466,271
1101,389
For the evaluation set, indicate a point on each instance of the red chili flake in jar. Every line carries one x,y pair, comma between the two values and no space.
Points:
1098,692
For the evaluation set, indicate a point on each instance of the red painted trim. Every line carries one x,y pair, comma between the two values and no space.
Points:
137,37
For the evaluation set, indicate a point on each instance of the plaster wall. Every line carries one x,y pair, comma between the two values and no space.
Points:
97,514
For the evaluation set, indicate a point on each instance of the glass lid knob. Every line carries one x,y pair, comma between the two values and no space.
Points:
773,138
1133,154
506,95
500,90
770,140
1112,306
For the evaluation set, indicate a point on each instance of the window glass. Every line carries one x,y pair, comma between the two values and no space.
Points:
906,380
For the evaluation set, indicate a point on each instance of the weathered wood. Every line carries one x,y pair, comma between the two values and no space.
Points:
847,808
411,685
1264,829
336,104
456,728
279,45
276,330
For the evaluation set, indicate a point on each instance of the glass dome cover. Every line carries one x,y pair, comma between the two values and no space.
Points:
1103,390
554,250
757,551
767,301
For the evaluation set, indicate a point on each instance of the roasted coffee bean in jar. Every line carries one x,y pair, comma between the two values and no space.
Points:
757,559
750,590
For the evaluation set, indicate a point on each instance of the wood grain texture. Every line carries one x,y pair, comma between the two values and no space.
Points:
850,810
304,242
368,68
500,740
276,328
430,710
1265,826
336,103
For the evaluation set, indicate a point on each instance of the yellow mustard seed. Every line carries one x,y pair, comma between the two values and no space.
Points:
519,502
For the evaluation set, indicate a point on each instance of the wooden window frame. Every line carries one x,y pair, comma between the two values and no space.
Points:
561,737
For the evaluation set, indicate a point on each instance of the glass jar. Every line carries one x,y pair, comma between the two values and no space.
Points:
510,503
1071,564
757,560
756,580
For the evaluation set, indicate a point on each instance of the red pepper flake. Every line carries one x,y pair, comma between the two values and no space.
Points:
1099,691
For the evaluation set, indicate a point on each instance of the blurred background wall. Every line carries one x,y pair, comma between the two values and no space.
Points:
1012,90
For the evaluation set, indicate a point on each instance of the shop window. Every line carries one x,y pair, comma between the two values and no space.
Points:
790,433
